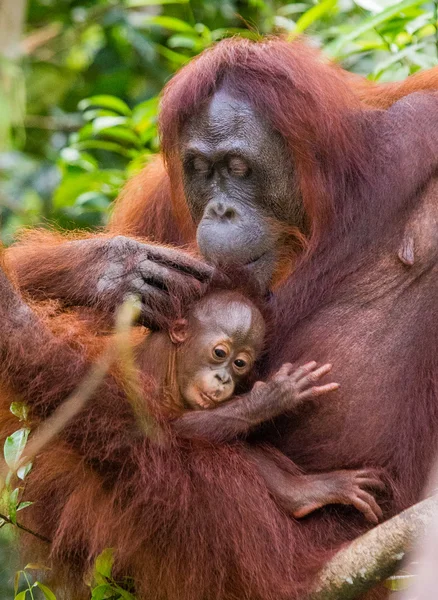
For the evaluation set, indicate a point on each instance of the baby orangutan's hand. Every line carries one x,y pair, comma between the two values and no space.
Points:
292,386
300,495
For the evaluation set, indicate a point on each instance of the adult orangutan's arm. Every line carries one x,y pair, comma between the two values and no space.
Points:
101,271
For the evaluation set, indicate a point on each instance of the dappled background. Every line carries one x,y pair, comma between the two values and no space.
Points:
80,83
80,80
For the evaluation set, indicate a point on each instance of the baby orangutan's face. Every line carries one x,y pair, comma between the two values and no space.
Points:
218,346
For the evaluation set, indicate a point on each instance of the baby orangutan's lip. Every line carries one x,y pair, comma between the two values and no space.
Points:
206,400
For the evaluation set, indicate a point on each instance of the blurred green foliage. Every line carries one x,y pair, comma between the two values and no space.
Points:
78,111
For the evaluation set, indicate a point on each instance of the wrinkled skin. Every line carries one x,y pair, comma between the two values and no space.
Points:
241,192
238,184
217,348
240,188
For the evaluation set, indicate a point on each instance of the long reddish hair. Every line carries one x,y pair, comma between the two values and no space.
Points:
305,99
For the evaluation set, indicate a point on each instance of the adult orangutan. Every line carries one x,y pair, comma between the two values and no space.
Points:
268,149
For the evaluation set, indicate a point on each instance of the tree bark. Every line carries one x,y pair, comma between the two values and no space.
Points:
374,556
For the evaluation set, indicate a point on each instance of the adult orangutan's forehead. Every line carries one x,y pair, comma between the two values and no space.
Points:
226,117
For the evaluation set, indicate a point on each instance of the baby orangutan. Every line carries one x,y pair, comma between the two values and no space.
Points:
212,353
217,348
203,361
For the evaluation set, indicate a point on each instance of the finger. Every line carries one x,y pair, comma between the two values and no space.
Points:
314,376
371,501
371,482
156,307
180,261
178,285
373,476
365,509
284,371
303,370
369,473
318,390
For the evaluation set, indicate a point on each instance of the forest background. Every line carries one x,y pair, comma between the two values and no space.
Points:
80,83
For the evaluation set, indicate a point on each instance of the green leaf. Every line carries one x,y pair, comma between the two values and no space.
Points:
73,186
107,146
24,505
48,594
292,9
106,101
93,201
187,40
20,410
121,134
21,595
144,116
396,57
368,24
93,113
12,505
103,591
171,56
102,123
16,581
71,157
14,446
171,23
104,562
314,14
23,471
139,3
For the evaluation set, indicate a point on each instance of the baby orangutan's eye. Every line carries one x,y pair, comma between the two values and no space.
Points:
242,363
220,352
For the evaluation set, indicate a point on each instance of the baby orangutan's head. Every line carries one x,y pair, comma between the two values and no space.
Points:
217,347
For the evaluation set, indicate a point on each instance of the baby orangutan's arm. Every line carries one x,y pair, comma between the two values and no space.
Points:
285,391
297,494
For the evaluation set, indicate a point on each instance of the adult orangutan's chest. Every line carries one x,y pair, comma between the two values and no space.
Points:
381,337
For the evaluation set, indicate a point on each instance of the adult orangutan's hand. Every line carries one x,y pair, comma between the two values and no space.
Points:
160,276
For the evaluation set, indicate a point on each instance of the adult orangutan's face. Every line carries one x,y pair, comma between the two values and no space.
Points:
239,185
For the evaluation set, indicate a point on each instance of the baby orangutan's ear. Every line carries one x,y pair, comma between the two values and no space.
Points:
179,331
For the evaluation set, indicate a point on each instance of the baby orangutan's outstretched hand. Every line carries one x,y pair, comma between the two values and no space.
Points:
291,386
285,391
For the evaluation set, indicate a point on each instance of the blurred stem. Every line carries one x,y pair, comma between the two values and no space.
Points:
190,13
29,587
11,27
435,16
26,529
64,123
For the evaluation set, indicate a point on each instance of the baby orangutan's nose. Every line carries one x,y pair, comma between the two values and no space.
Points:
223,377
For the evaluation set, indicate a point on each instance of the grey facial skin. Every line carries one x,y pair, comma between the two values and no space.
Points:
238,182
